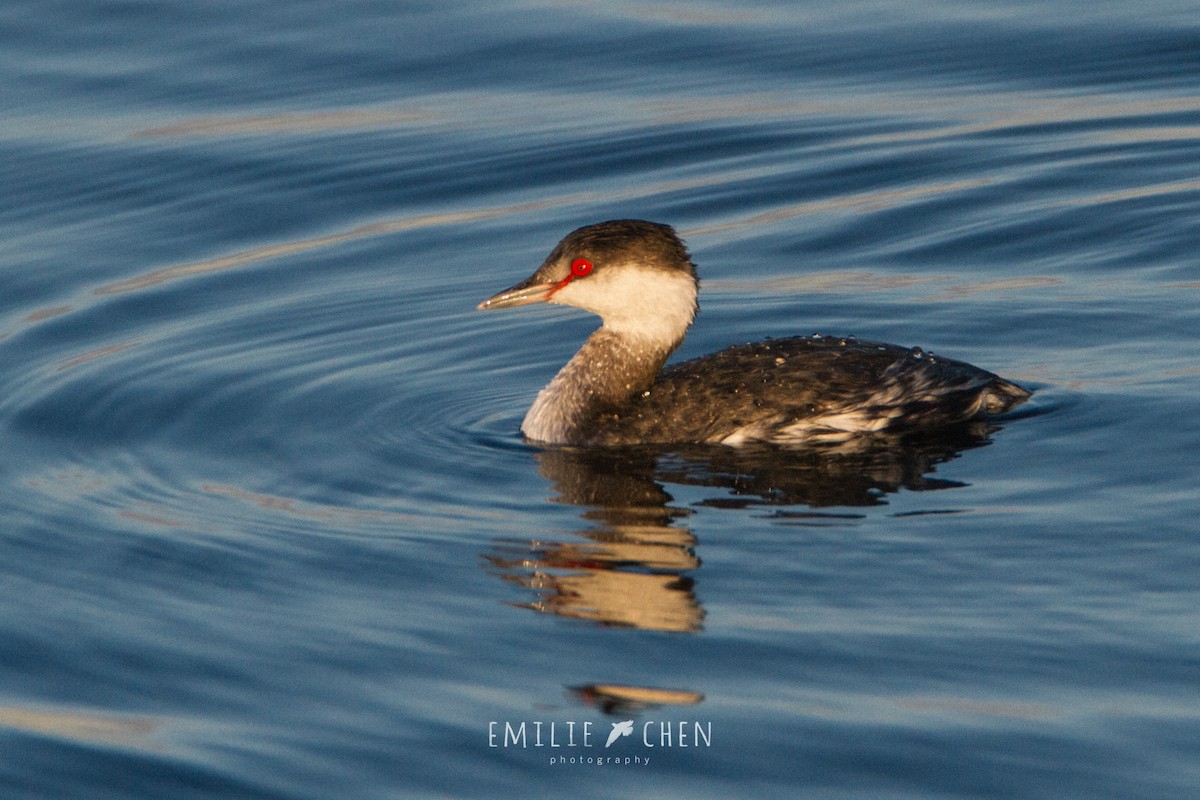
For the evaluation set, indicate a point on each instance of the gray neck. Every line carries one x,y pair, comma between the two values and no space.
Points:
608,371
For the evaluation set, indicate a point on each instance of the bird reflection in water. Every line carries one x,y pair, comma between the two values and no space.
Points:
635,563
628,568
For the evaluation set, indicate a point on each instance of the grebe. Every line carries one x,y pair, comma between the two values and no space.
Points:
639,278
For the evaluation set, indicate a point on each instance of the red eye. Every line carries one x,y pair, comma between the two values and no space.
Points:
580,268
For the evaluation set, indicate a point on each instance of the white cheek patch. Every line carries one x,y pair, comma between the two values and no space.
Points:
653,304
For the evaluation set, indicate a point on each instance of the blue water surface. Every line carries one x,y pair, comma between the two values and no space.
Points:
269,526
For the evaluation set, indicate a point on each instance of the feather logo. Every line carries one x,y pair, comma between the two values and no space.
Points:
620,729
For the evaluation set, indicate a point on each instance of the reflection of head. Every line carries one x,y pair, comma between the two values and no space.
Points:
622,700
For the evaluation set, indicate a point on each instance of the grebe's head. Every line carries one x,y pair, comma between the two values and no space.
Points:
636,275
